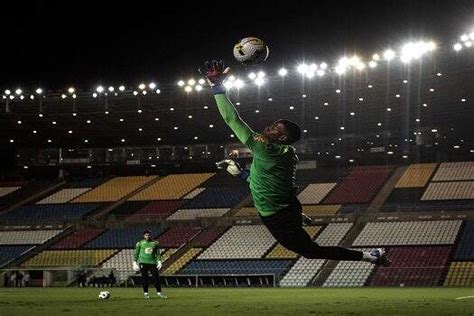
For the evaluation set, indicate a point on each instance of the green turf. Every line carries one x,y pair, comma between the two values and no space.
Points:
277,301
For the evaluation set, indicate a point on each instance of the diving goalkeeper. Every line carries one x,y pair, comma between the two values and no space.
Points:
272,178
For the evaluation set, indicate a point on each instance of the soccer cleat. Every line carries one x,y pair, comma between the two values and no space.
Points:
306,219
381,256
146,295
160,295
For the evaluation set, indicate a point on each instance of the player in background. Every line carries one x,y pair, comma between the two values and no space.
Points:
147,258
272,178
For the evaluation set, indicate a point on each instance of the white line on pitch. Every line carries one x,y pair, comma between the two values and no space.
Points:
464,297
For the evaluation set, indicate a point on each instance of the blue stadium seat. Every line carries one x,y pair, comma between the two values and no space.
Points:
237,267
219,197
465,249
8,253
121,237
47,214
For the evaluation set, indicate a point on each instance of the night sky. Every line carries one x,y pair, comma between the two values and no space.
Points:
58,43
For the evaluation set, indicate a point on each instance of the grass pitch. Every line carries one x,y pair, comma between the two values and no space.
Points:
273,301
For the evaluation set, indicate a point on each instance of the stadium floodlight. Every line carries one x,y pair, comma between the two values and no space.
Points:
158,91
388,55
144,92
141,86
457,47
340,69
261,74
188,89
18,91
464,37
282,72
320,72
71,90
259,81
152,85
415,50
135,92
431,46
32,97
309,74
228,85
74,96
323,66
231,78
122,88
238,83
63,96
355,61
468,44
198,88
7,92
201,81
360,66
94,95
252,76
313,67
111,89
12,97
376,57
99,89
181,83
22,97
191,82
39,91
302,68
372,64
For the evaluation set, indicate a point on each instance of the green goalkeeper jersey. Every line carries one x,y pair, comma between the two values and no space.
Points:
147,252
273,170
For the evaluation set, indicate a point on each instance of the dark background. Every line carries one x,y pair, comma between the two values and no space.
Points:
54,44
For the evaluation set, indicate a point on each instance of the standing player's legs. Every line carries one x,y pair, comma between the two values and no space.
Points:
286,227
144,268
156,278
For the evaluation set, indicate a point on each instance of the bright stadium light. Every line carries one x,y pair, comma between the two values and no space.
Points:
141,86
464,37
238,83
22,97
313,67
261,74
372,64
259,81
457,47
340,69
231,78
252,76
152,85
122,88
309,74
228,85
99,89
32,97
74,96
111,89
94,95
191,82
188,89
39,91
135,92
7,92
415,50
320,72
468,44
144,92
323,66
376,57
158,91
302,69
18,91
388,54
282,72
63,96
181,83
360,66
71,90
198,88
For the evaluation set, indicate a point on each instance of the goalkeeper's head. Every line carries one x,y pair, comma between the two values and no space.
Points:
147,235
283,131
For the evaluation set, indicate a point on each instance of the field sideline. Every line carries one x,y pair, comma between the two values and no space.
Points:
358,301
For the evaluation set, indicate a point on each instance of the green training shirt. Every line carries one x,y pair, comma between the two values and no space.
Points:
147,252
273,170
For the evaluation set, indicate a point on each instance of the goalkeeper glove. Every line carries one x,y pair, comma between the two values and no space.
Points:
233,168
136,267
215,74
159,265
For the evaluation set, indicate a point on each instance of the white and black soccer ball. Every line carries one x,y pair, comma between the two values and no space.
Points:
251,51
104,295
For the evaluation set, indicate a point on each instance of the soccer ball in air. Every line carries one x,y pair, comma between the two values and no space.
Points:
103,295
251,51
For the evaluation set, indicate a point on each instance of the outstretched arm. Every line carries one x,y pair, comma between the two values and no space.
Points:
232,118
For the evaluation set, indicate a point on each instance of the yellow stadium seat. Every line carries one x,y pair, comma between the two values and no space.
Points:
416,175
64,258
320,210
182,261
247,211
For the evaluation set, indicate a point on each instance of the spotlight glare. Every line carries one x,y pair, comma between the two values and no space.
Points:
188,89
7,92
18,91
457,47
135,92
201,81
320,72
71,90
152,85
122,88
94,95
141,86
376,57
111,89
259,81
198,88
191,82
468,44
464,37
252,76
99,89
282,72
372,64
181,83
323,66
238,83
158,91
302,68
388,54
63,96
39,91
261,74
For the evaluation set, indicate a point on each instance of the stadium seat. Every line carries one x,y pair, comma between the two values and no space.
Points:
63,196
114,189
193,193
455,171
413,266
77,239
333,234
8,253
172,187
121,237
314,193
7,190
182,261
409,233
321,210
416,175
188,214
44,214
359,186
177,236
247,211
463,190
69,258
465,245
222,267
302,272
246,241
460,274
218,197
350,273
26,237
154,210
208,236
